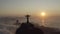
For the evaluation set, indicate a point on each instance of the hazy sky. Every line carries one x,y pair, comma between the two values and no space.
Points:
22,7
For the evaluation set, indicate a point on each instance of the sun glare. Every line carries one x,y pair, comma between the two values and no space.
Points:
43,14
43,18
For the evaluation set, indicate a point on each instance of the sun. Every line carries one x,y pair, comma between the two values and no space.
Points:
43,14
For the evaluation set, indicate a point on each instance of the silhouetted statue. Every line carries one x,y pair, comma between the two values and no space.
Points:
28,28
27,16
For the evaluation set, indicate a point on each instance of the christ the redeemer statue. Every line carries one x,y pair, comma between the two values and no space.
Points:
27,17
